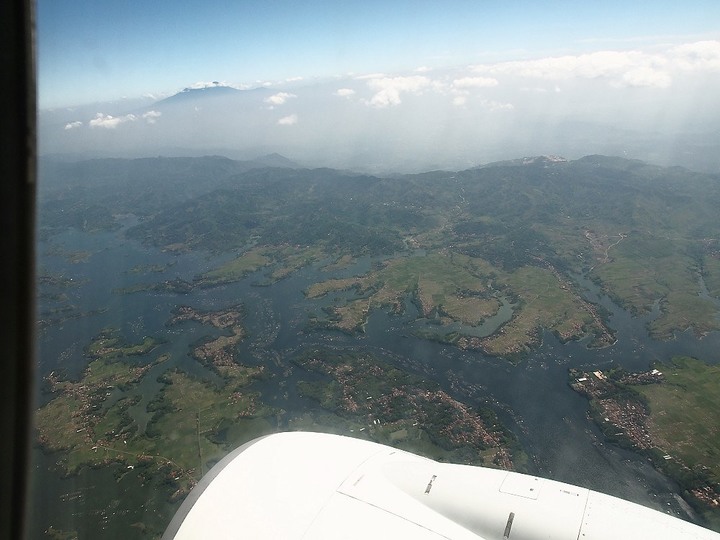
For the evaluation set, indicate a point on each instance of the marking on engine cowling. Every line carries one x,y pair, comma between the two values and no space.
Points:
355,483
508,526
430,483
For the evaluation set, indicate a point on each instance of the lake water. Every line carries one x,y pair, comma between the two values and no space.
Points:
532,398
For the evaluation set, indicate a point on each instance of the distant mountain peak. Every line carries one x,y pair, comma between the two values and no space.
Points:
212,91
209,86
543,160
275,160
201,92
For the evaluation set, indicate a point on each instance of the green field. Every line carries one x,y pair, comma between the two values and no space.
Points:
235,269
440,285
683,413
545,301
78,421
645,269
281,260
670,415
108,344
196,423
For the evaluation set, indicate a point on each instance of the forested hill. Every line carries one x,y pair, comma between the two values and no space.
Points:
647,234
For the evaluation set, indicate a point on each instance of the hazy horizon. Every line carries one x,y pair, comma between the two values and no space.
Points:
390,87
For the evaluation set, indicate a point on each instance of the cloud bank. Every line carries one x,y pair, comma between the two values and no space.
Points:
656,103
389,89
634,68
107,121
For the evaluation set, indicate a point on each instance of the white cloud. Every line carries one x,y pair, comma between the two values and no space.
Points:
293,79
497,105
592,65
422,69
344,92
389,89
200,84
73,125
152,116
474,82
645,77
619,68
370,76
110,122
461,87
702,55
288,120
278,99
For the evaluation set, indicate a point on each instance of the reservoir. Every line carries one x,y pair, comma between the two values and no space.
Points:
532,398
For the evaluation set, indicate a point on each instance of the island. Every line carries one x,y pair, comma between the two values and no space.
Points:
464,292
94,421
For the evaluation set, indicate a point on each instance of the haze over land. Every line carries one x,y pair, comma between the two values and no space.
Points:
342,89
603,102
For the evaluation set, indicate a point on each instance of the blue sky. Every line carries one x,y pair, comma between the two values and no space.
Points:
99,50
383,85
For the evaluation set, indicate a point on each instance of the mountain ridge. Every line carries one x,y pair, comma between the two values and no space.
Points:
188,95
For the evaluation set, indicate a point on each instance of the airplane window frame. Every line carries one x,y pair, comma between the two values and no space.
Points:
17,215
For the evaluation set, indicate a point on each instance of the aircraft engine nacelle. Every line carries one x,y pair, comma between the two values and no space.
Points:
318,486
